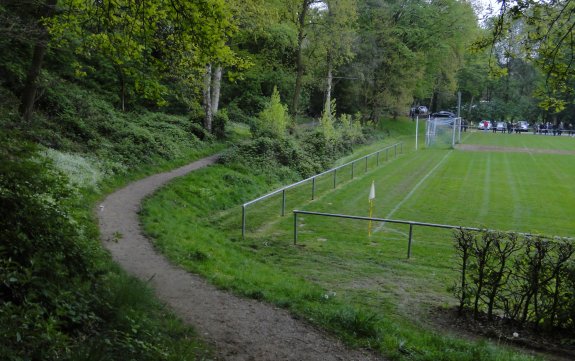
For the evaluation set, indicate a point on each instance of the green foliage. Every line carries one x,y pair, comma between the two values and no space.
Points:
47,269
273,120
61,297
288,157
82,172
351,129
282,160
236,114
148,42
528,279
77,120
221,119
327,120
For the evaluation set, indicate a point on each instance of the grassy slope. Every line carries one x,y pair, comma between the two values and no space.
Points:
362,289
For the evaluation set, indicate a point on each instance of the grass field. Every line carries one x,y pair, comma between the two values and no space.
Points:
363,288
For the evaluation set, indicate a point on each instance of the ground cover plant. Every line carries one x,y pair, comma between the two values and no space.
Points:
364,289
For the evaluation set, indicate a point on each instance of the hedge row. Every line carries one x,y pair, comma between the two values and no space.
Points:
522,278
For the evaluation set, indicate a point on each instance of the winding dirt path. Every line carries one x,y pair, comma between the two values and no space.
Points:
239,329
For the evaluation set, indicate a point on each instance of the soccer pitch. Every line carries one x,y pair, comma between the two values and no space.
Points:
507,188
502,188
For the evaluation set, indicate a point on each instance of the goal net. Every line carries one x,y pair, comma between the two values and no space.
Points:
443,132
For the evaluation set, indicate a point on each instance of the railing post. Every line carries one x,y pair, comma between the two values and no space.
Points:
377,159
334,177
243,221
295,227
394,151
409,242
366,163
352,166
386,154
283,202
312,188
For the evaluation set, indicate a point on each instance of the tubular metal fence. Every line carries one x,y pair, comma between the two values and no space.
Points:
385,220
395,147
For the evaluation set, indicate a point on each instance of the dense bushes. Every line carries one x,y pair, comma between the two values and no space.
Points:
300,154
61,299
291,157
46,270
76,120
528,279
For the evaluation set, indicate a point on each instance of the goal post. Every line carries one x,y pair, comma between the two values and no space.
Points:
442,132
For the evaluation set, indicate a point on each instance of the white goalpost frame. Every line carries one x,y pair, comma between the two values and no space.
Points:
436,129
416,131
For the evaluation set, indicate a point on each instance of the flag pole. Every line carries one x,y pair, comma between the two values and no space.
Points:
371,198
370,213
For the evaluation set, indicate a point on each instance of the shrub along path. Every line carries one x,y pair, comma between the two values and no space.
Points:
239,329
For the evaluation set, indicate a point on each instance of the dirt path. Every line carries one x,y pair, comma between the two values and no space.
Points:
240,329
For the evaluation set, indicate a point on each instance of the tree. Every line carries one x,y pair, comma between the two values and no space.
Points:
274,119
267,38
30,16
145,41
246,15
406,50
302,27
336,36
549,42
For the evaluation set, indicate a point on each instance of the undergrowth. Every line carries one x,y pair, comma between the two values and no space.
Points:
62,296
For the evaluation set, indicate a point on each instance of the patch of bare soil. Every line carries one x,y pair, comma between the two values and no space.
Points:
552,345
492,148
238,328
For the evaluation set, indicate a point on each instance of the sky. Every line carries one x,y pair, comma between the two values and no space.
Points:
489,7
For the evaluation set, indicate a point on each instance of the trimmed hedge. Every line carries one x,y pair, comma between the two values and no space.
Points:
526,279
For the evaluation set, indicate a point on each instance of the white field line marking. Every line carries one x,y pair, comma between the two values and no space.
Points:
486,190
412,192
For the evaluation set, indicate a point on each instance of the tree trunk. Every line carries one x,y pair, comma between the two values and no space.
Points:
216,86
329,85
28,96
207,94
122,79
434,100
299,60
471,104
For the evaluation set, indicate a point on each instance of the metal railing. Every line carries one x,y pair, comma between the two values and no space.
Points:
313,179
373,219
396,221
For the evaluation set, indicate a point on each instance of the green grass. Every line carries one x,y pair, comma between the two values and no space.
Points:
364,289
524,140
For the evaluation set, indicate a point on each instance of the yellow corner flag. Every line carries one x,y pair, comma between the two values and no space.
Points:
371,198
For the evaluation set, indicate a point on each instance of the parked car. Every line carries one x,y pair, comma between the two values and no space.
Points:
501,127
522,126
443,114
419,110
485,125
